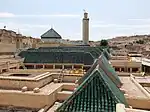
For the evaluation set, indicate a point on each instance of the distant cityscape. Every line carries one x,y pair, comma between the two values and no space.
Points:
52,74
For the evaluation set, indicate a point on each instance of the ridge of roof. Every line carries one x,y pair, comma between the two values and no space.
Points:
106,67
109,70
93,66
116,91
106,54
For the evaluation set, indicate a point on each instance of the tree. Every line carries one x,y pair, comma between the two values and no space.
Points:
140,41
104,43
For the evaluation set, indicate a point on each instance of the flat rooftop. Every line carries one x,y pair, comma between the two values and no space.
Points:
27,74
8,58
21,73
131,89
46,90
46,95
145,82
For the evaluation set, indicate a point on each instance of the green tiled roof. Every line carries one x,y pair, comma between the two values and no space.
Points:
114,89
57,57
93,66
51,34
84,55
106,67
109,70
96,94
95,51
106,54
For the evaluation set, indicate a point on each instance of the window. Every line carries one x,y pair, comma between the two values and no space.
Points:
39,66
48,66
122,70
117,69
134,69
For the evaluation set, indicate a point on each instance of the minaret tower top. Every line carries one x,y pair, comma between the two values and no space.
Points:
85,15
85,30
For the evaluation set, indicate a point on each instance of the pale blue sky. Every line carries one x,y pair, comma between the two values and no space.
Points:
108,18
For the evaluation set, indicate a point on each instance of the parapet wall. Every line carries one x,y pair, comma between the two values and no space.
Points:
23,100
30,83
68,78
29,99
125,63
35,80
138,102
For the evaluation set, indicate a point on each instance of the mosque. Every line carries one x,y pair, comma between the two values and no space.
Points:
54,77
51,38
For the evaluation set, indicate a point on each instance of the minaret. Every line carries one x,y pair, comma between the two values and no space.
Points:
85,28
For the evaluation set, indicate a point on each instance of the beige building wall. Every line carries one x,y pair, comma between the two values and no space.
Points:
8,37
126,65
47,45
28,100
52,44
18,84
6,47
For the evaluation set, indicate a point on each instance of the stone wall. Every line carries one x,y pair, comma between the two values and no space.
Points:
7,47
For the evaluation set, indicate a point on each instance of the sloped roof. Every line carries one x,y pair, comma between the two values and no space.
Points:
96,94
106,54
93,66
82,55
106,67
51,34
95,51
77,57
109,70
